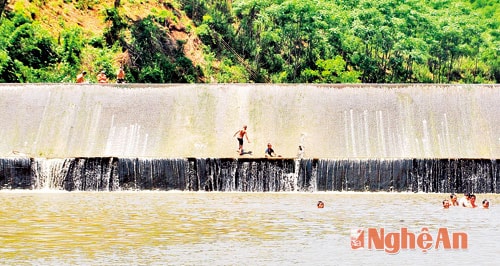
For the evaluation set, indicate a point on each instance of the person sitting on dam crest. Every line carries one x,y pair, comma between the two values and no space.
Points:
270,152
101,77
81,77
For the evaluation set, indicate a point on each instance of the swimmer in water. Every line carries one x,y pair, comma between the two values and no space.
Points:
320,204
446,204
454,200
486,204
472,201
464,201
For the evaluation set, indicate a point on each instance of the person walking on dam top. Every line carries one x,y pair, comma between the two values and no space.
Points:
239,135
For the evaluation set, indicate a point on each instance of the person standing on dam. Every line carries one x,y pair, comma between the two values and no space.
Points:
240,134
300,152
120,75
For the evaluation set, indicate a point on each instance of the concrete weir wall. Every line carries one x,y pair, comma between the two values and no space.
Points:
199,120
351,134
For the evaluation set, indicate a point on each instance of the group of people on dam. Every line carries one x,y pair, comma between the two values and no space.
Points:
101,76
240,134
467,201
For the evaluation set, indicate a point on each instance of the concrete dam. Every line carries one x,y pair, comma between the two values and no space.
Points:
357,137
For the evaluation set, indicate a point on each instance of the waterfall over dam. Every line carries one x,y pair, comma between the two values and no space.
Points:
359,137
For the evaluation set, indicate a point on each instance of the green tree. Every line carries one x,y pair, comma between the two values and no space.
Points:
331,71
156,59
29,51
72,45
118,23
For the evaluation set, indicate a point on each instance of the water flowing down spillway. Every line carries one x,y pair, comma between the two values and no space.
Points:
251,175
431,138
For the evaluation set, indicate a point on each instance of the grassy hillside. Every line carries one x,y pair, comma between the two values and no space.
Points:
92,21
279,41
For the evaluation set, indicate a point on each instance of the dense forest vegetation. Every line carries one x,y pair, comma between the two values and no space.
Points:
272,41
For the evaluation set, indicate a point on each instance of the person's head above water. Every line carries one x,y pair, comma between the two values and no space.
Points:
486,204
472,197
454,199
446,204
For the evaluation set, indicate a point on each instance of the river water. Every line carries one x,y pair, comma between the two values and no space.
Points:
204,228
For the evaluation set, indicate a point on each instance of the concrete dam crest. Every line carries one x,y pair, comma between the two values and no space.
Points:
430,138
